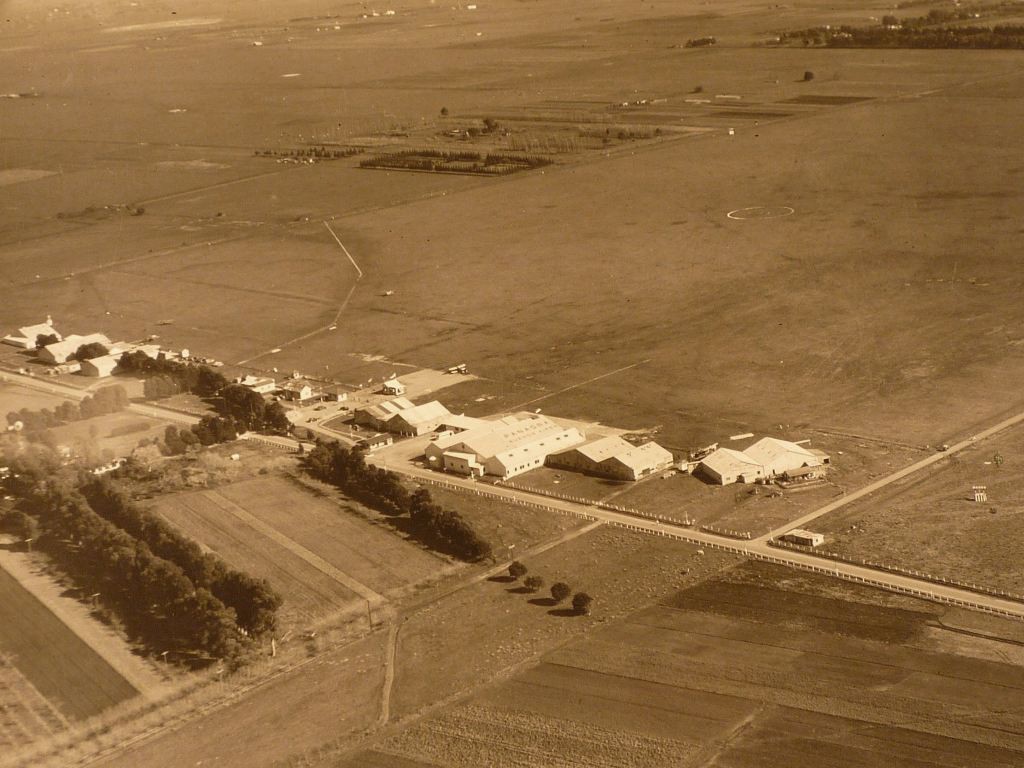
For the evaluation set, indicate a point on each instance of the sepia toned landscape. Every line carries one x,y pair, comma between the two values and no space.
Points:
511,383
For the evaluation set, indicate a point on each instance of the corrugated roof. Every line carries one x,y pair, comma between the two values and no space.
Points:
603,448
726,461
70,345
769,449
640,457
421,414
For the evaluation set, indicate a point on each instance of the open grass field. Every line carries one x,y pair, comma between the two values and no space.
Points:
496,624
57,664
931,523
336,695
755,668
116,432
321,556
14,397
729,323
879,298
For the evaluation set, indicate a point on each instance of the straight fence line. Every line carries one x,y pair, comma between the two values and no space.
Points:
740,550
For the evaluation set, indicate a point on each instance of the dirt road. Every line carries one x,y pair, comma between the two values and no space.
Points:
758,548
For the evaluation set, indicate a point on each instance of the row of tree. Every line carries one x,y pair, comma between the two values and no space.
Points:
254,601
581,601
184,377
441,529
153,596
250,410
909,35
240,406
209,431
105,400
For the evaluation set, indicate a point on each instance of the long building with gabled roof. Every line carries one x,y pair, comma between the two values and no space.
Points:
613,457
503,448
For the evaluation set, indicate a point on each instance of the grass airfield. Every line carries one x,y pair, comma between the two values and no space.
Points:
611,286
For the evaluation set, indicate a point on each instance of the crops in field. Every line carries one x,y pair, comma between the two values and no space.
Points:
753,669
311,539
57,664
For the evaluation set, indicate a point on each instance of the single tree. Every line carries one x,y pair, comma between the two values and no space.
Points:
45,339
560,590
533,583
89,351
444,111
808,76
517,570
581,603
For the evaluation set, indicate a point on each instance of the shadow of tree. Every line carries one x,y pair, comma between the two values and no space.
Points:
563,612
543,601
501,579
520,591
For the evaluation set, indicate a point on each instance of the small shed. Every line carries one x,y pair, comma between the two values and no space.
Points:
393,387
376,441
804,538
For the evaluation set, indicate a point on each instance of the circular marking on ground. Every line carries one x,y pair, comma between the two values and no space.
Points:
761,212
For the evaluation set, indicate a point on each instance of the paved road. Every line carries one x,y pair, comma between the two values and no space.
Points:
894,477
757,548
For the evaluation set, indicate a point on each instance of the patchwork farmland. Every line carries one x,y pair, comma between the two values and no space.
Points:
48,676
321,556
731,237
756,668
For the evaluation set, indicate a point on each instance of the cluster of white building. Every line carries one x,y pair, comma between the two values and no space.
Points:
60,353
511,445
767,459
296,388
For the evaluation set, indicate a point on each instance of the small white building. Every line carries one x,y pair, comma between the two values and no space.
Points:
726,466
334,393
804,538
374,442
393,387
99,367
297,389
260,384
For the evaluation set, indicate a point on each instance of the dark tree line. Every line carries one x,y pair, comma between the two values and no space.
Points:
153,596
105,400
250,409
174,374
240,407
938,29
441,529
254,601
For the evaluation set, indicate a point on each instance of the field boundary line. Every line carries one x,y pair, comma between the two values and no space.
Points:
294,547
390,661
580,384
337,314
338,241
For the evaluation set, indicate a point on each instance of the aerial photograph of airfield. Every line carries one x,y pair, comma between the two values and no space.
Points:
433,384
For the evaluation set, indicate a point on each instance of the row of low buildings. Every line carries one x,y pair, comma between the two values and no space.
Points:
296,389
768,459
60,353
511,445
